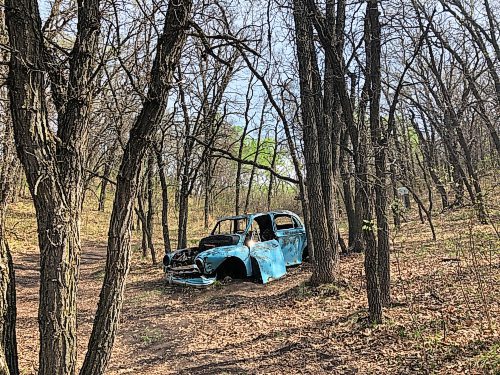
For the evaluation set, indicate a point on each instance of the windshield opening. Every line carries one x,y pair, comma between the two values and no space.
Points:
231,226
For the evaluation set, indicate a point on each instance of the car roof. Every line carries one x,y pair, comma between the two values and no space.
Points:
252,215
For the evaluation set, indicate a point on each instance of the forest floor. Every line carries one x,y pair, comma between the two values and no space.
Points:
445,318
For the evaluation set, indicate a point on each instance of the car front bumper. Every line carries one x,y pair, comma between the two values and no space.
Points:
197,281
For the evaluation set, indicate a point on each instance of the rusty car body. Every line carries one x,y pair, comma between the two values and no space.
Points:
258,246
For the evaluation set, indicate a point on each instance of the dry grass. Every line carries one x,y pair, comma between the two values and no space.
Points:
446,319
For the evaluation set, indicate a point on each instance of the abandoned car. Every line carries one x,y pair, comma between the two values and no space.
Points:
258,246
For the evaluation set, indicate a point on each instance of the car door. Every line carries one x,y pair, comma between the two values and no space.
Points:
265,252
290,235
268,257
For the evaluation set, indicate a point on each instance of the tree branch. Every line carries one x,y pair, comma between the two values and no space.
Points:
227,155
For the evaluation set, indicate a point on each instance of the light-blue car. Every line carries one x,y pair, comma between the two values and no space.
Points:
258,246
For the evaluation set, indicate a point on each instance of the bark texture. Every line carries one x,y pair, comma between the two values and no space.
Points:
165,202
168,53
379,140
53,166
325,256
8,173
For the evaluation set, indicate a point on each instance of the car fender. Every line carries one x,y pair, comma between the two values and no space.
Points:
213,258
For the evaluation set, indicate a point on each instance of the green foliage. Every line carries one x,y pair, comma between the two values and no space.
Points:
217,285
151,336
413,138
264,151
397,207
490,361
251,147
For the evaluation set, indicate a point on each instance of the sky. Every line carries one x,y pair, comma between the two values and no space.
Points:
44,9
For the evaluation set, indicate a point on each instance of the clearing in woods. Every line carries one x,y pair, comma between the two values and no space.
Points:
444,320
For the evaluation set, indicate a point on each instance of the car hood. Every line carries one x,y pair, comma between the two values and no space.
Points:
186,257
218,251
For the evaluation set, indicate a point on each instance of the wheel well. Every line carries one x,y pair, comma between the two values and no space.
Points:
305,254
232,267
256,275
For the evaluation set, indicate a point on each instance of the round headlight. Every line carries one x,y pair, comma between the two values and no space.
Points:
166,260
200,265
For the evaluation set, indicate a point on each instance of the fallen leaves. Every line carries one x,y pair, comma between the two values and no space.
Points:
438,322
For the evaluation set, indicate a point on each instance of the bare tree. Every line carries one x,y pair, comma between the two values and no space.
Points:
325,245
168,53
53,164
8,172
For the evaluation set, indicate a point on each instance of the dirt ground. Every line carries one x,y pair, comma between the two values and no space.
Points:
445,317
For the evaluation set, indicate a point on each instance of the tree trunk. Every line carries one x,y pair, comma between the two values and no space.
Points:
104,180
150,213
355,235
141,215
430,162
255,157
8,172
237,194
379,140
208,193
368,230
8,340
237,187
102,194
371,262
327,109
54,170
324,261
459,176
59,248
273,164
396,205
428,211
165,203
473,175
456,175
183,216
370,243
184,190
168,53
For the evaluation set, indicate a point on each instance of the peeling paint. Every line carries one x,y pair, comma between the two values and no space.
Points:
261,251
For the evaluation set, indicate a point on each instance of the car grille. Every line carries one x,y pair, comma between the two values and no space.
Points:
184,271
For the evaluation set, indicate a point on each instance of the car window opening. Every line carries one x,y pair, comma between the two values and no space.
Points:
265,227
284,222
261,230
231,226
